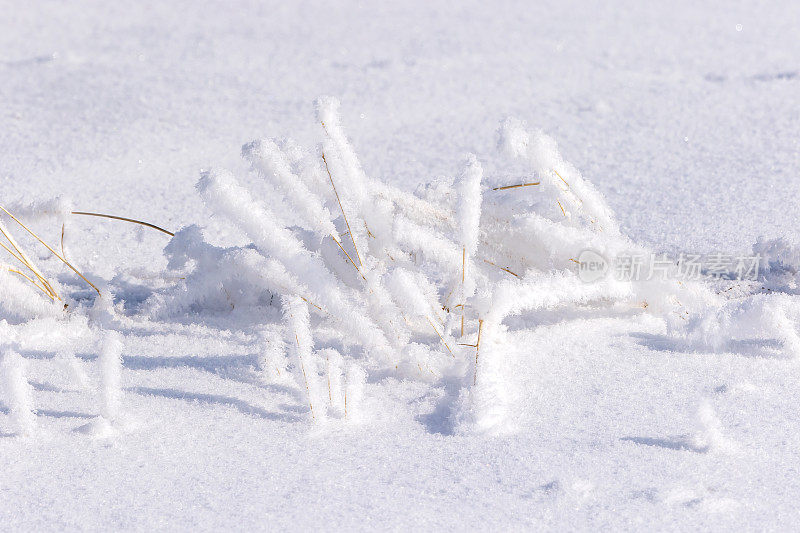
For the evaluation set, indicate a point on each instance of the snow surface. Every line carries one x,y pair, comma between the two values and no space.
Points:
684,116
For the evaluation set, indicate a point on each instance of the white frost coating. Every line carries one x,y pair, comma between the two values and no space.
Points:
59,208
306,166
19,250
355,385
534,241
468,211
710,436
779,255
538,291
357,191
762,316
513,139
384,310
234,202
222,279
270,162
110,362
416,296
223,194
468,214
541,151
408,290
334,363
482,406
328,114
417,209
779,263
20,300
17,392
317,387
433,245
352,196
298,329
102,313
272,356
380,216
73,369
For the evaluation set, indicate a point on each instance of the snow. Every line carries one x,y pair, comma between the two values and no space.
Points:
18,393
675,123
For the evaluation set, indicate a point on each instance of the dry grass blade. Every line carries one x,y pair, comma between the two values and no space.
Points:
477,351
305,379
32,281
506,187
463,276
18,253
559,177
330,394
309,302
501,268
114,217
349,231
20,256
349,259
442,338
51,250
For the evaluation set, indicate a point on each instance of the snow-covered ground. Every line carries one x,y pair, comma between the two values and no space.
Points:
684,115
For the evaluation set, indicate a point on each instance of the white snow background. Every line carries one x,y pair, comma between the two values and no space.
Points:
684,115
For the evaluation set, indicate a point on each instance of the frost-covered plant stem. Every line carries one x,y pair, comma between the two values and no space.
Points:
409,290
299,326
477,351
110,361
272,360
487,404
18,392
336,393
270,162
563,179
347,222
226,196
355,383
468,214
488,396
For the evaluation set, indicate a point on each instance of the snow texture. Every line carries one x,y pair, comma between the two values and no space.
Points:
358,320
17,392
